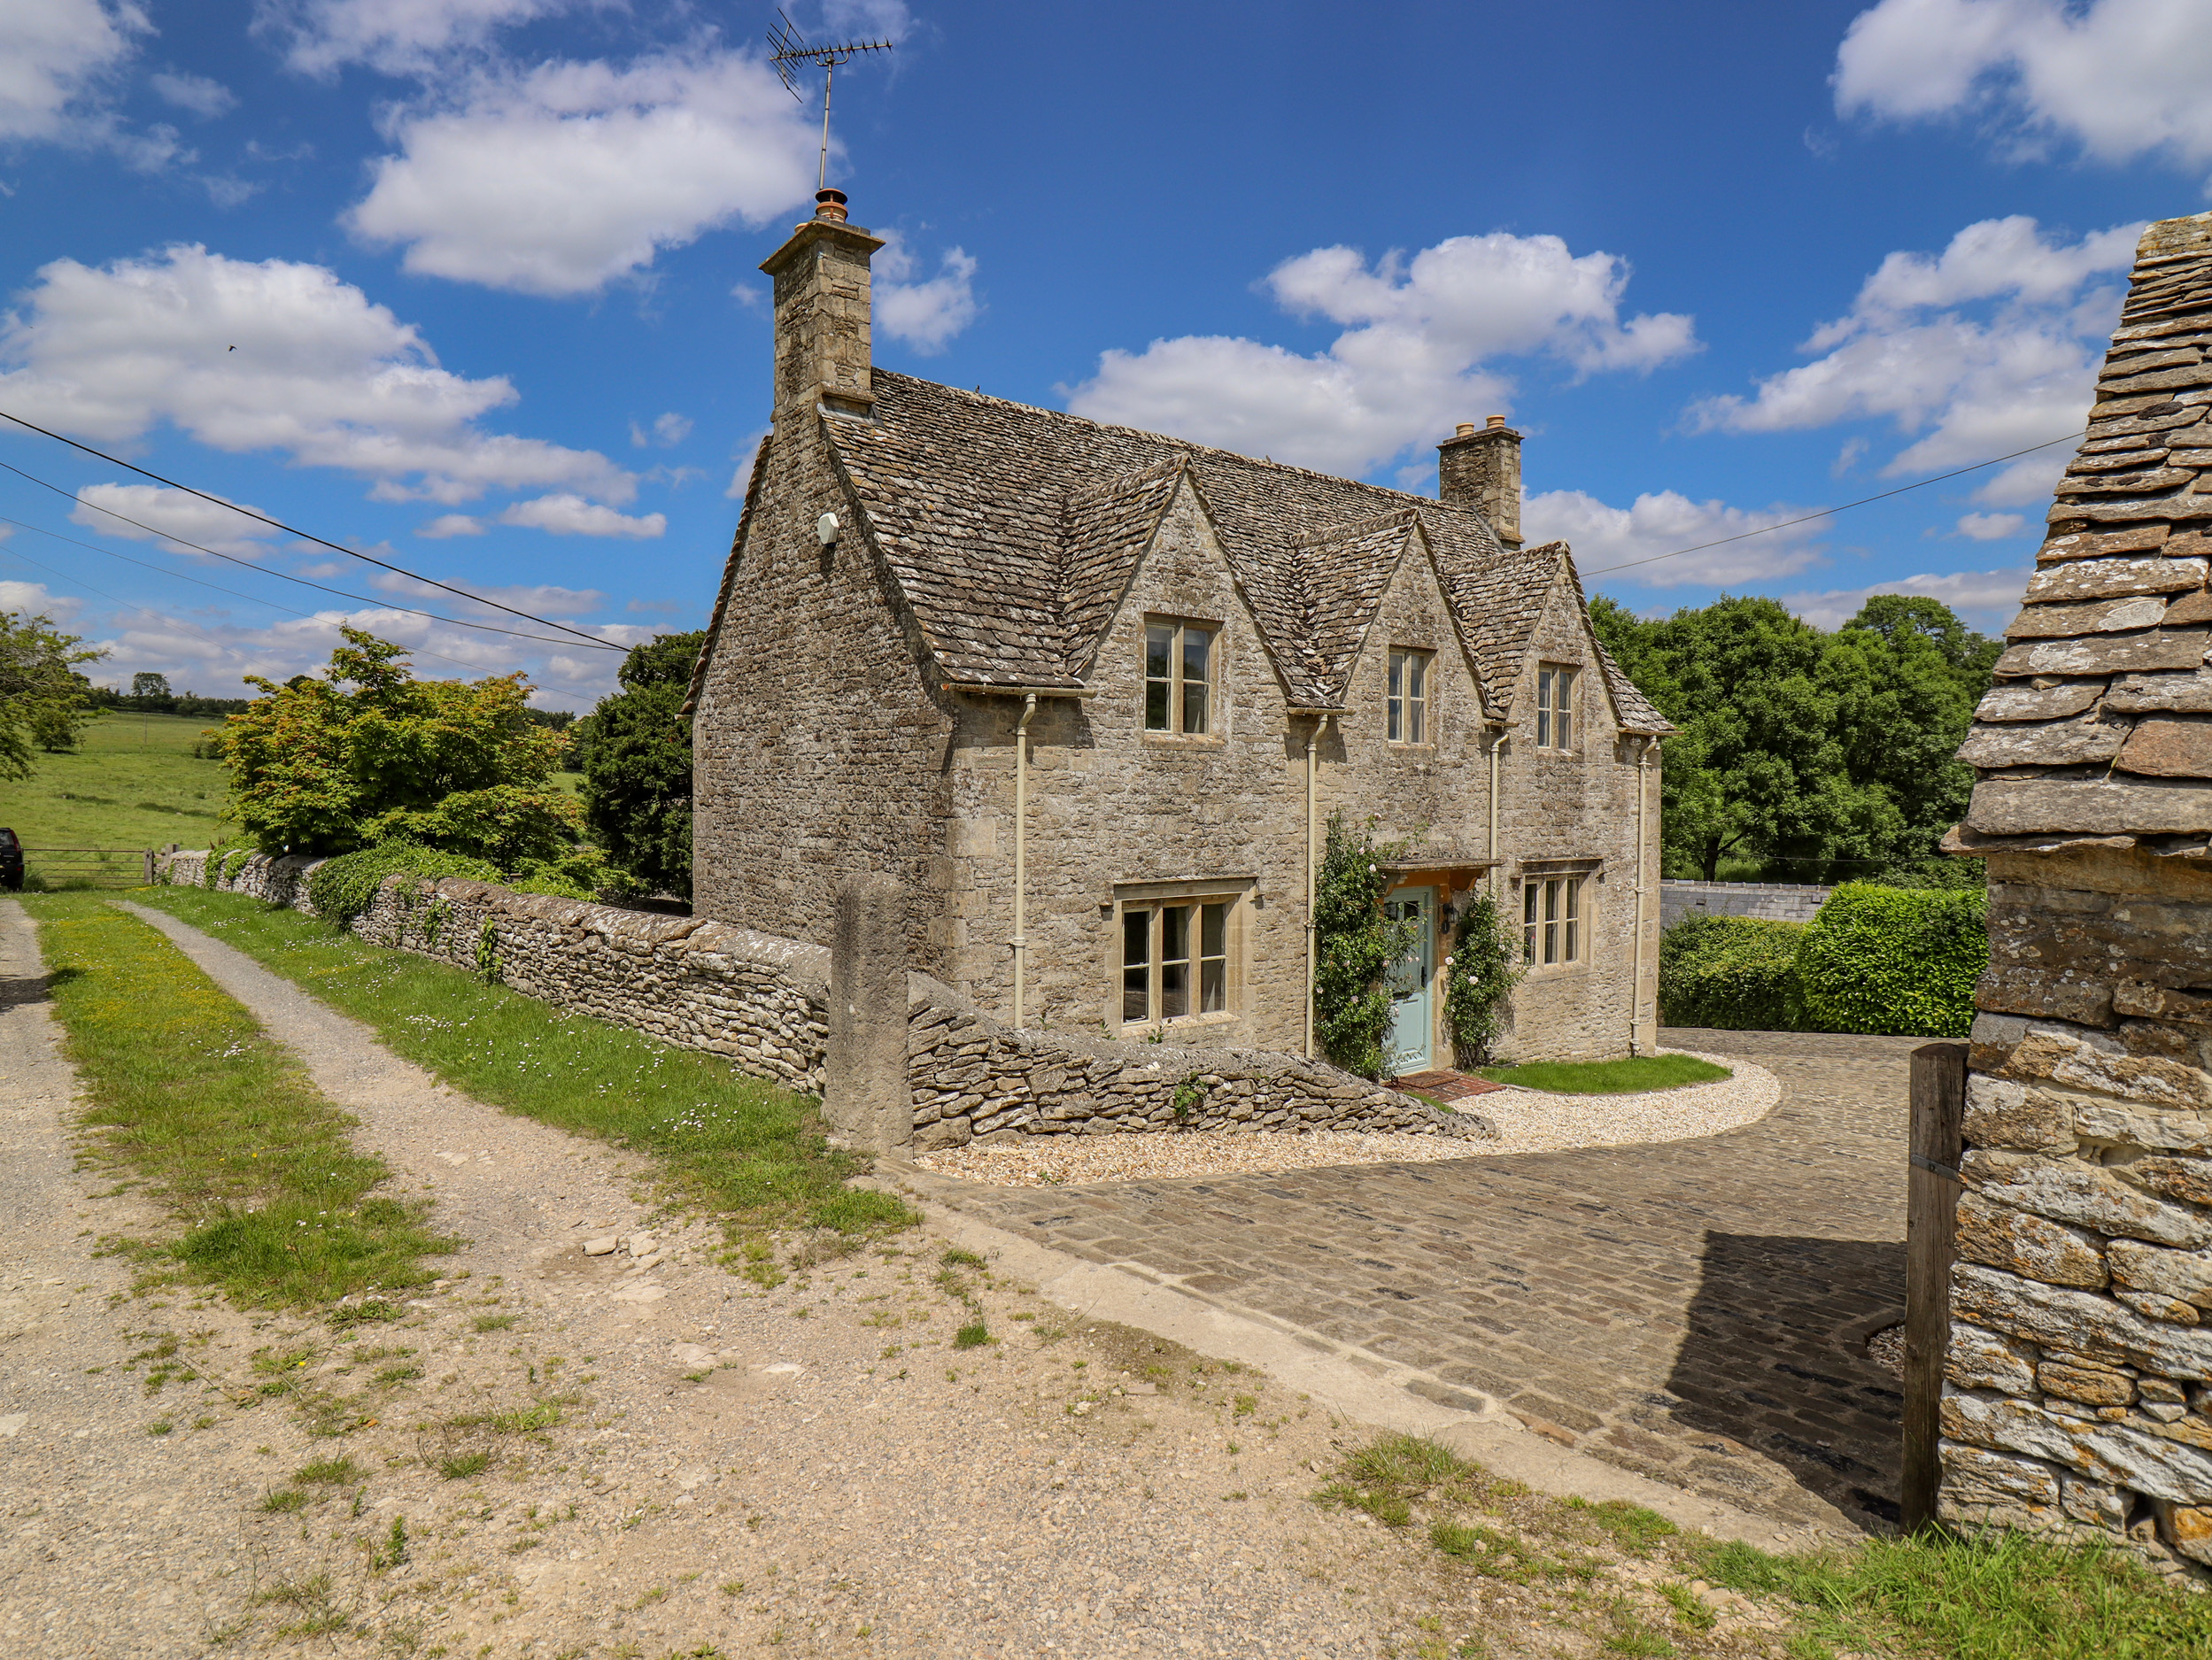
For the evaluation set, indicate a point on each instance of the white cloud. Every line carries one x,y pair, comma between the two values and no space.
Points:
56,56
37,600
1407,366
396,36
567,515
318,372
172,518
1605,538
2121,78
1986,600
668,431
1989,527
450,524
561,178
925,314
196,93
1987,348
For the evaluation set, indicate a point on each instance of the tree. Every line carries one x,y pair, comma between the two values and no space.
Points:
1807,751
368,754
42,697
636,756
150,685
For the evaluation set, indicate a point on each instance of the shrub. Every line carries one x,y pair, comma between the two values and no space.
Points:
1898,961
1733,973
340,889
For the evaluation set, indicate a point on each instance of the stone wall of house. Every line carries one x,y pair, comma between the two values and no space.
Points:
1580,804
2079,1397
762,1002
1770,901
816,714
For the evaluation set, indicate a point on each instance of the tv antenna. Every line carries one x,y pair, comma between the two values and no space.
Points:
792,51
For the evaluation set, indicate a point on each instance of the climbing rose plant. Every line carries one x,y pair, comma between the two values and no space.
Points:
1479,977
1354,946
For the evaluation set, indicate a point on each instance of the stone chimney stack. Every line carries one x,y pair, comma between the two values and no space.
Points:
1479,467
821,307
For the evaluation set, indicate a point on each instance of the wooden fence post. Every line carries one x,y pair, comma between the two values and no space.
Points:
1939,1098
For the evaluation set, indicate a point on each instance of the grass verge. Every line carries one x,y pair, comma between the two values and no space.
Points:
1627,1075
188,1093
1628,1578
749,1153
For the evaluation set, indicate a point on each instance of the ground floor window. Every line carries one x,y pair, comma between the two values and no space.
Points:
1174,960
1551,920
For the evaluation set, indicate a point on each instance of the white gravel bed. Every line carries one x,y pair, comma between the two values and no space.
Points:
1527,1121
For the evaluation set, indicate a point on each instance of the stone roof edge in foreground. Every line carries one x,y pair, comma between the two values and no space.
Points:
2099,723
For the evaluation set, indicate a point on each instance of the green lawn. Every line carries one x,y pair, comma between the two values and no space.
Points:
134,783
746,1151
185,1092
1627,1075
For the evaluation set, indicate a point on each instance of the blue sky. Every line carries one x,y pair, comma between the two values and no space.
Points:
489,268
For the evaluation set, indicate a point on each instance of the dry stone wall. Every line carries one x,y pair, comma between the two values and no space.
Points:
762,1003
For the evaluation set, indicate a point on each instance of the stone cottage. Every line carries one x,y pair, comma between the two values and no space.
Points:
1091,694
2078,1394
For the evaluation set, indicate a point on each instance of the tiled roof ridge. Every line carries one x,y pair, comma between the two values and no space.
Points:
2098,723
1191,446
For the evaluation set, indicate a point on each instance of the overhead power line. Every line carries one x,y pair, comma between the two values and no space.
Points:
162,570
307,536
1824,512
382,604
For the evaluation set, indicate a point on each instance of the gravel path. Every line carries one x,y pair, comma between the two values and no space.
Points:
1527,1121
635,1453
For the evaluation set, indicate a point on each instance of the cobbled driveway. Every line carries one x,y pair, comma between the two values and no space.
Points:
1694,1311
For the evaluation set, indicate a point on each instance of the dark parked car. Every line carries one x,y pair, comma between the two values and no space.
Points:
11,860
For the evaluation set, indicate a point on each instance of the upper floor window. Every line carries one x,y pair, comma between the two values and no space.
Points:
1555,708
1551,920
1178,677
1409,697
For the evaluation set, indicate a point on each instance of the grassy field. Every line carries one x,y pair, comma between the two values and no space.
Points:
745,1152
134,783
188,1095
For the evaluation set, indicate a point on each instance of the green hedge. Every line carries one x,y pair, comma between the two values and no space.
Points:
1895,961
1734,973
1886,960
342,888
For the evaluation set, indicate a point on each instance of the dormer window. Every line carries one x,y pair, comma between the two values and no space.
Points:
1555,708
1407,716
1178,677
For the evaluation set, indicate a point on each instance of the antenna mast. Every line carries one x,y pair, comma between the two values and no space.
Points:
792,51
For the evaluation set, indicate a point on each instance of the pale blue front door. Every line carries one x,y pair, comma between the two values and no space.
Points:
1412,983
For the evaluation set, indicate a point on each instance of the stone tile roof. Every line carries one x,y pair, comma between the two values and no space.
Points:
1013,532
2099,722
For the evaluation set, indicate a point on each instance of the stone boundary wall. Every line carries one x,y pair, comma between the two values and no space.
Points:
1772,902
762,1003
